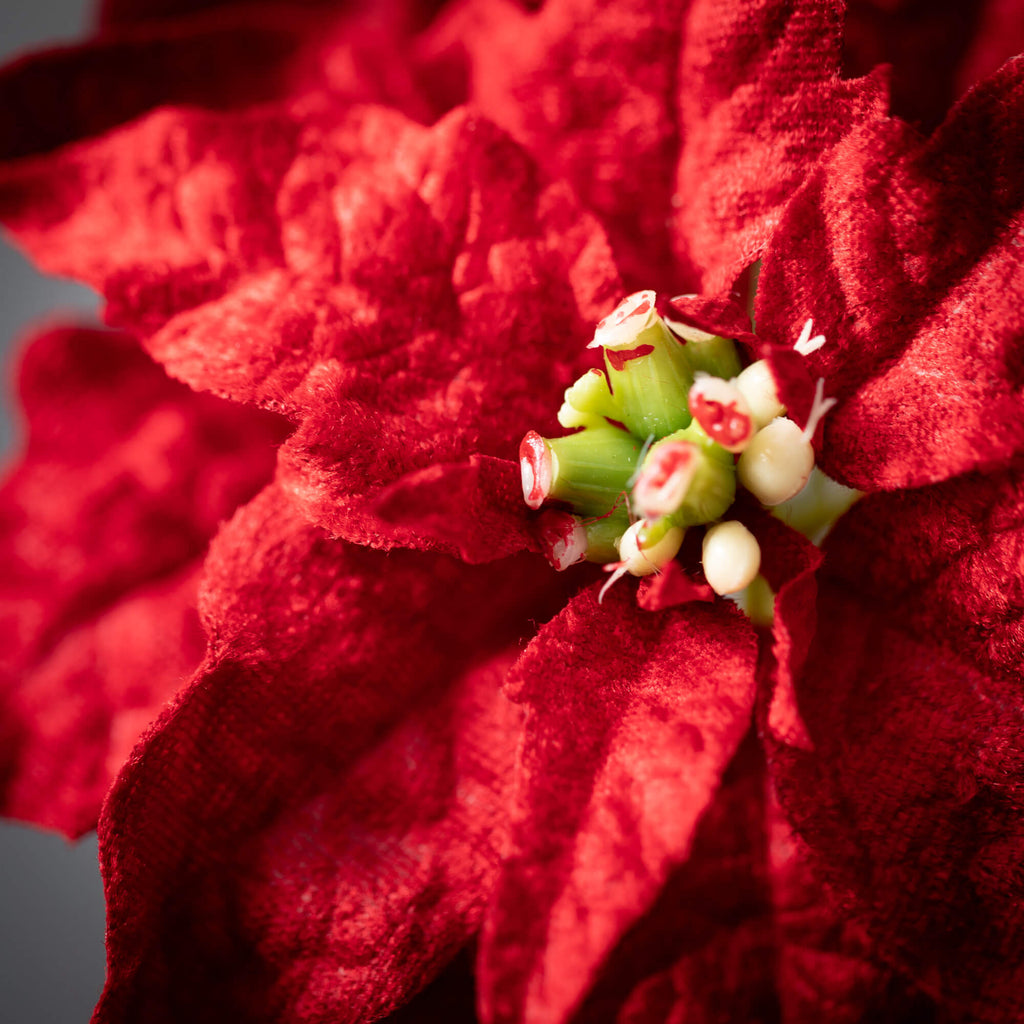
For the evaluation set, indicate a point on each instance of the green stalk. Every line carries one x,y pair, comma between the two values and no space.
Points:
650,378
592,469
713,488
603,535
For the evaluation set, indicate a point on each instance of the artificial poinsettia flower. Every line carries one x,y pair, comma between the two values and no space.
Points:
368,770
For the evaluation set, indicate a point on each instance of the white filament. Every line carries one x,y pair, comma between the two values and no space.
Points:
805,344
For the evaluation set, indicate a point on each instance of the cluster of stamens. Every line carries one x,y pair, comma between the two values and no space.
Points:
664,434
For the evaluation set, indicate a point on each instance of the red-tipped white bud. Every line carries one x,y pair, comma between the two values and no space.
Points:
536,464
722,411
643,559
626,321
777,463
757,385
731,556
665,478
563,539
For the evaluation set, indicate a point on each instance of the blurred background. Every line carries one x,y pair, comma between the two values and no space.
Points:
51,899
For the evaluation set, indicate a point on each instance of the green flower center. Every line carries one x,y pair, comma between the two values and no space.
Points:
665,434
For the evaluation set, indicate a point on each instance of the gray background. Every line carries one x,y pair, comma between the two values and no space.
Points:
51,900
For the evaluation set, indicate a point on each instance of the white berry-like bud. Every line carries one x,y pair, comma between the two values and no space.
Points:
642,561
777,462
757,385
731,556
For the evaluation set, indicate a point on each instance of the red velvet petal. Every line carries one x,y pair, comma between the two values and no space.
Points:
130,12
705,952
69,720
632,718
125,476
908,787
906,254
827,969
937,50
587,87
759,100
948,557
670,587
473,509
229,57
723,315
415,296
159,216
789,563
312,831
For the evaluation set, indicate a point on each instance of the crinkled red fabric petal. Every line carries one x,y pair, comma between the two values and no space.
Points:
159,216
131,12
588,88
413,296
759,100
104,521
632,717
713,110
473,508
69,719
705,952
789,563
228,57
949,557
906,255
670,587
826,966
908,786
313,829
724,314
937,50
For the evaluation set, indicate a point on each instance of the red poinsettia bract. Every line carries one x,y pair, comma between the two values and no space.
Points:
405,734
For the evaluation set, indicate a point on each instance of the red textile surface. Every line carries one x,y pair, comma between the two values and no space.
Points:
342,797
362,719
101,559
907,255
290,259
760,99
670,587
652,108
649,108
706,951
937,48
905,775
228,57
656,705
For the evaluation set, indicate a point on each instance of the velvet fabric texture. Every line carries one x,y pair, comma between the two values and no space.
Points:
275,616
